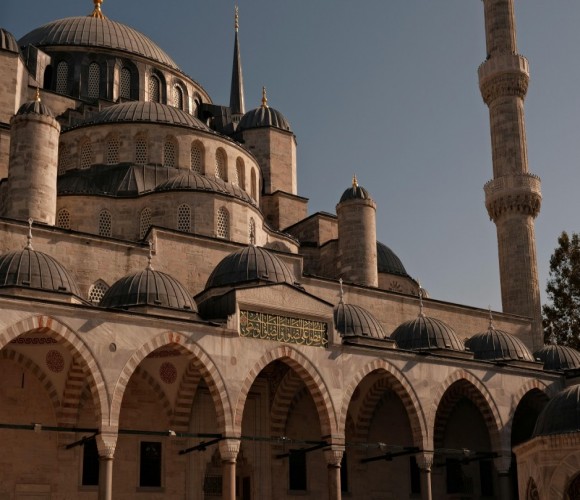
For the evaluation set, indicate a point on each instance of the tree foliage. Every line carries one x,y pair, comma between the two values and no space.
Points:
562,314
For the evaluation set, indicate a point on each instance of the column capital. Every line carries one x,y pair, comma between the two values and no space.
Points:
424,460
333,455
229,449
106,444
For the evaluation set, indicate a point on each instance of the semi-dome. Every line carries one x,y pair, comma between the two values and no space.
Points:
264,116
351,320
496,345
249,264
355,192
148,288
424,333
561,415
36,270
388,262
8,41
147,112
87,31
558,357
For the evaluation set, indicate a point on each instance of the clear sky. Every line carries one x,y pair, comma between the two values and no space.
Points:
386,89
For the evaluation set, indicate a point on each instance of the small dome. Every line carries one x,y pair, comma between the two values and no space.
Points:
148,288
426,333
355,192
87,31
561,415
264,116
354,320
35,107
36,270
388,262
249,264
495,345
558,357
7,41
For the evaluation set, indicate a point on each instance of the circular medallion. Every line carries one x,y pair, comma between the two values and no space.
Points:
168,372
54,361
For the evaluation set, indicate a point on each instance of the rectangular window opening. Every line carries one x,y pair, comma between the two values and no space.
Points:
150,464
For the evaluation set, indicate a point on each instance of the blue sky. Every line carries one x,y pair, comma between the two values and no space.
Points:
387,90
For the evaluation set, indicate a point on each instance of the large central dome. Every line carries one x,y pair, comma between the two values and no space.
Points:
89,31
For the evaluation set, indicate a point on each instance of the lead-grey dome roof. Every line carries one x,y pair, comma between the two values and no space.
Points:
351,320
7,41
496,345
249,264
87,31
148,288
558,357
561,415
355,192
426,333
35,107
31,269
264,116
388,262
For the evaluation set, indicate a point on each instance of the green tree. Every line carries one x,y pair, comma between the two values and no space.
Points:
562,314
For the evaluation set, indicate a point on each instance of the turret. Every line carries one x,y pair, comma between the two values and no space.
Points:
33,164
513,196
357,236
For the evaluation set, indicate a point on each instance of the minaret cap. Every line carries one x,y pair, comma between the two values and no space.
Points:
97,12
237,19
264,98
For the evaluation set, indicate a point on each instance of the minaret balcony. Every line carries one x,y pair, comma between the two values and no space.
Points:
513,193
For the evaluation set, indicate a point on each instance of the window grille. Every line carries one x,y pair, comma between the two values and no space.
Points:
252,231
62,78
223,224
154,89
145,222
105,223
64,158
178,97
184,218
86,154
196,158
220,164
113,151
94,80
240,181
63,219
125,84
97,291
169,154
141,151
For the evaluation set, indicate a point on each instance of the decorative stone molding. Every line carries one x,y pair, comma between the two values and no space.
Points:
106,444
333,455
513,193
504,75
425,460
229,449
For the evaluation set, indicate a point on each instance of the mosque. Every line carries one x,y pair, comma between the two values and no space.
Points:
175,324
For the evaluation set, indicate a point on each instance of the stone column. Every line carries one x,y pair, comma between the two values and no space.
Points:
502,466
106,444
425,462
333,457
229,449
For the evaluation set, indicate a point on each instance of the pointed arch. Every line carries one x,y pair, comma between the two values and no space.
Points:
309,375
147,377
280,408
200,361
404,390
72,395
185,394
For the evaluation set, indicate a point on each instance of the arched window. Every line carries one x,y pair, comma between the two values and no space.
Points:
144,222
105,223
141,150
254,185
62,78
178,96
154,89
112,150
170,153
223,223
240,173
97,290
197,157
184,218
125,83
86,154
221,164
252,231
63,219
94,80
64,158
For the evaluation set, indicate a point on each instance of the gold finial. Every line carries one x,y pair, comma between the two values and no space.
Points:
37,97
237,19
150,257
341,291
97,12
29,237
264,98
354,182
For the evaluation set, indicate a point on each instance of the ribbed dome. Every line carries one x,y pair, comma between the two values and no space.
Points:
32,269
388,262
148,288
355,192
354,320
36,107
495,345
558,357
264,116
148,112
561,415
248,264
426,333
7,41
88,31
196,182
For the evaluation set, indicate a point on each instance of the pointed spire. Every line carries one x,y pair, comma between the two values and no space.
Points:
29,237
237,90
150,257
97,12
264,98
341,292
491,327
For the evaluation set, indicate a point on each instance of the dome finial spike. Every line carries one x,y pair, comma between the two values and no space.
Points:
421,312
237,18
150,257
37,96
341,291
490,318
354,181
264,98
29,237
97,12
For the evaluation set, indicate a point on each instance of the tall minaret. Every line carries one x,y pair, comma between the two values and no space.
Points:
513,196
237,90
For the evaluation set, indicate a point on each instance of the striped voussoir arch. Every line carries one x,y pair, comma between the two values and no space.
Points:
402,388
199,360
462,383
289,386
184,400
149,379
71,341
309,375
71,396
